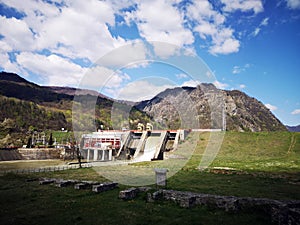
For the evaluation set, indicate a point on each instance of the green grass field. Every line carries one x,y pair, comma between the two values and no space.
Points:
262,165
277,152
30,203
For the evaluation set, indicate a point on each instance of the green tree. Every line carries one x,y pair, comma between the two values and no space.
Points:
50,143
29,142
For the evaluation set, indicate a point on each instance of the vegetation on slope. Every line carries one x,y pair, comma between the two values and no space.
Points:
26,107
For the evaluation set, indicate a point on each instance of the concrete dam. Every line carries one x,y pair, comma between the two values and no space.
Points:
136,145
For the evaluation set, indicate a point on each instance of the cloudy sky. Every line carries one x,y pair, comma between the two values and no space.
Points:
249,45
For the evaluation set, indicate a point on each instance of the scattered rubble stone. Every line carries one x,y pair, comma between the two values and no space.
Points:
104,187
128,194
43,181
64,183
281,212
132,192
85,184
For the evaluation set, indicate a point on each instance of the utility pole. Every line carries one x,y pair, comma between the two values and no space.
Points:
224,117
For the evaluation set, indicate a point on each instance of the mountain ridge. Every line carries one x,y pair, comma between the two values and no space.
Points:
293,128
243,113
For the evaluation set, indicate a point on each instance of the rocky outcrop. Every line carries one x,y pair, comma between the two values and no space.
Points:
249,114
207,107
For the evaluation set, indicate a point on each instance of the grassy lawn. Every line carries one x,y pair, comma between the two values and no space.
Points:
242,185
262,165
30,203
274,152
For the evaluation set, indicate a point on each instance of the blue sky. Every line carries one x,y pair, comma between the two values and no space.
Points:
249,45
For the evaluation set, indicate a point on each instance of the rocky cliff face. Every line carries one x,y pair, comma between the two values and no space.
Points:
207,107
246,113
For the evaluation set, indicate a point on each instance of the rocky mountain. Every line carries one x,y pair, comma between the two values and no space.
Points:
207,107
293,128
183,107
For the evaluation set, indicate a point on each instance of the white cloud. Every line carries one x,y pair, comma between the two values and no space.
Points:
239,69
17,34
100,77
236,70
140,90
210,25
161,21
293,4
7,65
138,64
225,46
271,107
74,30
206,29
203,11
220,85
77,29
164,50
54,69
190,83
256,31
242,86
181,75
127,55
263,23
296,112
243,5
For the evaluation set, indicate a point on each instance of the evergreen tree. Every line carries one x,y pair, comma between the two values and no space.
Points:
50,143
29,143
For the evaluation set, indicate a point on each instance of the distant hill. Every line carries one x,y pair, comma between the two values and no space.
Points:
26,107
12,85
242,112
293,128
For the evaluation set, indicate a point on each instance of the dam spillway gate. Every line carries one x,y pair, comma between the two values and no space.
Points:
137,145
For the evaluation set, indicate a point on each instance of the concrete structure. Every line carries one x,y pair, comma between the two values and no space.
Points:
40,153
161,176
138,145
101,146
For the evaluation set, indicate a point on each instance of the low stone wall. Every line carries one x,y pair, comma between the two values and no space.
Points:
131,193
40,153
95,186
281,212
8,155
